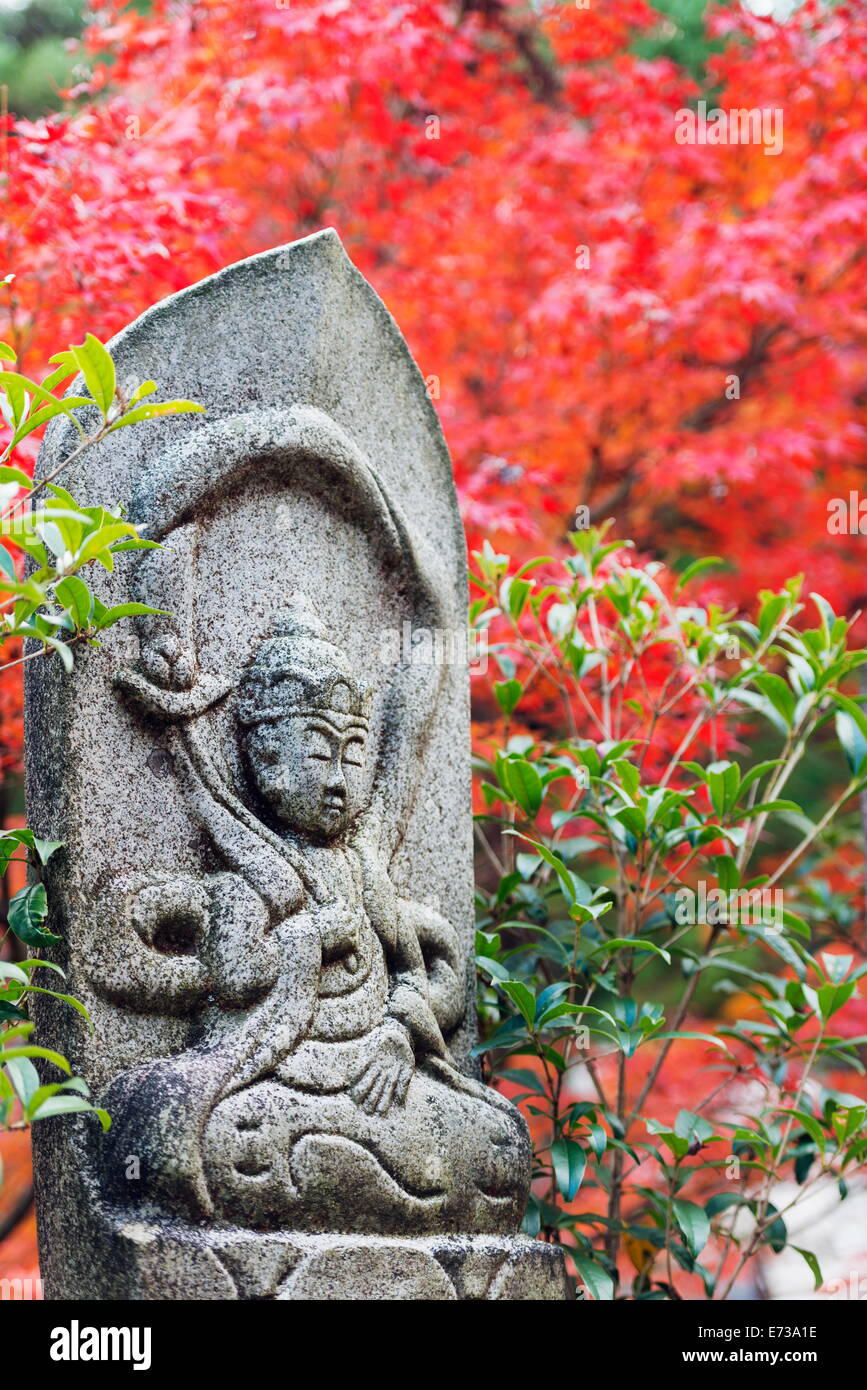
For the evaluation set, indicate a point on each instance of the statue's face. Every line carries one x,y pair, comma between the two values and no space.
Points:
309,772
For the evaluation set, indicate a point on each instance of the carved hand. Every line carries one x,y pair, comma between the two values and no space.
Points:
386,1075
338,929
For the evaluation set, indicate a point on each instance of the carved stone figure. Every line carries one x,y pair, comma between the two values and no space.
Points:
269,919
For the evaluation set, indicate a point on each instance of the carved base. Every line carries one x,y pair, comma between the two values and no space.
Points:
161,1264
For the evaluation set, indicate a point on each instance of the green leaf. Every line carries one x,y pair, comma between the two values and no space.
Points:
694,1128
75,596
694,1224
508,694
722,1201
62,649
532,1222
45,848
727,872
39,417
27,911
697,567
125,610
826,612
833,997
148,412
757,771
139,543
598,1139
633,943
72,1083
724,782
32,1051
796,924
64,998
24,1077
527,864
494,969
852,708
8,474
9,971
695,1037
776,1235
95,364
521,1076
560,619
66,369
10,1013
15,384
764,706
852,741
569,1162
574,888
772,609
101,539
524,783
813,1263
836,967
629,775
597,1280
512,1031
70,1105
516,596
523,998
780,694
810,1124
146,388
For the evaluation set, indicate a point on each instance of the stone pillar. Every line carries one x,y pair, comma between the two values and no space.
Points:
265,891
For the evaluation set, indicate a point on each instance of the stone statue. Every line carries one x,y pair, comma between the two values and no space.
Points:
335,1080
272,935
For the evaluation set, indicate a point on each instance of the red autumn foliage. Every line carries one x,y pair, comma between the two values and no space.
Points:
465,153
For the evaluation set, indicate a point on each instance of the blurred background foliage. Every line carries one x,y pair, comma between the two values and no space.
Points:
35,62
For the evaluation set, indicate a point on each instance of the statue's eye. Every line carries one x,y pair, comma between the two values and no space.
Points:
353,753
317,748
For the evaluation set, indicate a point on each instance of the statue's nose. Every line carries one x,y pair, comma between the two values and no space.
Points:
335,781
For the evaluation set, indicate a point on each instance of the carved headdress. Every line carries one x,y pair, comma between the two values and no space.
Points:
298,671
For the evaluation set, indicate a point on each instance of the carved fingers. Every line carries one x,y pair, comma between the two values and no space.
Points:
384,1079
